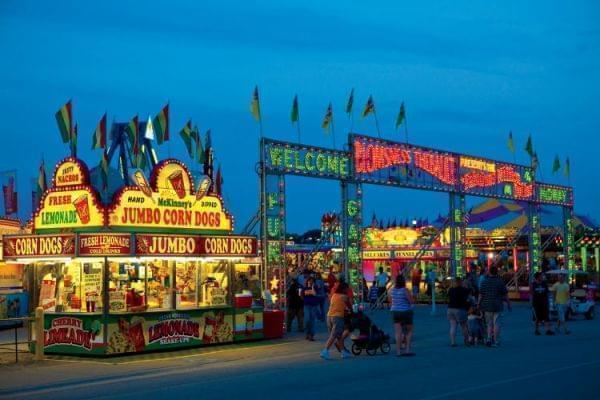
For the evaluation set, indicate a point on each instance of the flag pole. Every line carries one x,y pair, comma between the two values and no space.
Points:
351,116
298,127
376,123
333,130
405,128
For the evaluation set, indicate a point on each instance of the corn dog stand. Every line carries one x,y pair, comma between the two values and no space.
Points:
157,268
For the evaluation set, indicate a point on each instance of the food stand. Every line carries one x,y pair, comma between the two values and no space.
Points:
158,268
14,287
396,248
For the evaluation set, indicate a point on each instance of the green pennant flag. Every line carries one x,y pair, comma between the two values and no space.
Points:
511,143
42,184
200,157
369,107
255,104
104,168
295,114
99,135
186,136
401,116
64,119
142,160
132,130
567,170
350,103
74,135
161,125
327,119
556,164
529,146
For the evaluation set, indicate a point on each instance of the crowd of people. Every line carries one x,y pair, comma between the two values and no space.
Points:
475,307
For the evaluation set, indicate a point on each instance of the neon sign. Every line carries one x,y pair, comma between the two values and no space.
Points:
554,194
373,157
378,161
483,177
441,166
473,163
302,160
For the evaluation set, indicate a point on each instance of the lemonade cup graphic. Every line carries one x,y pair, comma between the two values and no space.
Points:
176,179
249,322
82,208
136,336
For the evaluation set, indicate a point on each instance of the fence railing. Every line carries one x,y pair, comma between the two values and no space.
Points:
7,324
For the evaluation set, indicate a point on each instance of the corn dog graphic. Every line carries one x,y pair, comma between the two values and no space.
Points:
203,186
142,183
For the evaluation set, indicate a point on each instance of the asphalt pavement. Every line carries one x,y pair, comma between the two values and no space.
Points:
525,366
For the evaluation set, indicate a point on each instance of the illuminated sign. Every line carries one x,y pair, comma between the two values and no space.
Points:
39,245
104,244
377,255
393,163
70,172
554,194
71,204
302,160
495,179
370,157
196,246
473,163
220,246
410,254
69,209
169,202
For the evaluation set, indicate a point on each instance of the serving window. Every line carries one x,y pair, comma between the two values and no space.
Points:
186,278
214,283
71,286
247,280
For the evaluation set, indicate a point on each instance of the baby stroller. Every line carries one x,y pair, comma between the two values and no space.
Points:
370,338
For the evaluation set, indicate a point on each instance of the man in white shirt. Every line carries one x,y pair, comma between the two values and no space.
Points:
382,280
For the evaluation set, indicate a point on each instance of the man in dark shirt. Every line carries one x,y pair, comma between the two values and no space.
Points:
458,304
295,306
539,293
492,294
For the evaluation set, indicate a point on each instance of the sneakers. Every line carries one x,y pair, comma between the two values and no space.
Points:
549,333
346,354
324,354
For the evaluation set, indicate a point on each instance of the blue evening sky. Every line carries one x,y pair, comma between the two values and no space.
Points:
469,72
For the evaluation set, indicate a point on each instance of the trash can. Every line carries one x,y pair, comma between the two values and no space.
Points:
273,327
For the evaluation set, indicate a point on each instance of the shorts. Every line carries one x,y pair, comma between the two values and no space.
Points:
492,319
336,326
561,310
540,313
456,314
403,317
